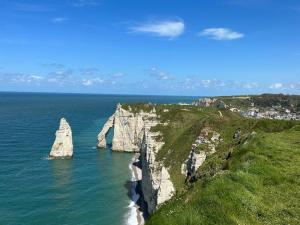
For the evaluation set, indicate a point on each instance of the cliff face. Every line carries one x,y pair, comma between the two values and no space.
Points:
128,130
203,147
226,160
63,144
208,102
132,133
156,183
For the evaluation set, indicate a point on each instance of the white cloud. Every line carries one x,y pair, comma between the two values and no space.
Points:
61,77
59,19
221,34
250,85
276,86
206,83
167,28
89,71
195,82
187,84
160,75
22,78
89,82
54,65
35,77
98,80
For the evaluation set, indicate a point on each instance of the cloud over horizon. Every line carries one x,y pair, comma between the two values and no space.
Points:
159,74
90,79
154,80
276,86
89,82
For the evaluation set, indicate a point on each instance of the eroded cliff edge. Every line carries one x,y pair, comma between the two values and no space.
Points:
132,132
204,152
228,168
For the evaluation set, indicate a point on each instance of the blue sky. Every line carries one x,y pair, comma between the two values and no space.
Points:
150,47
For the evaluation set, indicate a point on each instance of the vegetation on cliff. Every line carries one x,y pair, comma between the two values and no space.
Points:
252,178
260,185
291,102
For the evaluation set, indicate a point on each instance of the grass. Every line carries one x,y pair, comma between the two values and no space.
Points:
252,179
260,186
185,126
264,101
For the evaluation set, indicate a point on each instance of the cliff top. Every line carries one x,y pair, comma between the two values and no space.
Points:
250,179
291,102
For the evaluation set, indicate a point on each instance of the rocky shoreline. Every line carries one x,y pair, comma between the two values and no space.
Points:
137,201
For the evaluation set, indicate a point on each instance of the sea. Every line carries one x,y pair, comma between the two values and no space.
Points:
92,188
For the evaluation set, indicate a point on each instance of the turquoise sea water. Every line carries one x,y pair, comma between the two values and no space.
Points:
89,189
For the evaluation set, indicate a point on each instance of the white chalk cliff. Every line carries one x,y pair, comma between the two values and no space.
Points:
132,133
63,144
197,157
128,130
157,186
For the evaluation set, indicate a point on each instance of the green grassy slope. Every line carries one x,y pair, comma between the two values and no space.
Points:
291,102
260,183
253,179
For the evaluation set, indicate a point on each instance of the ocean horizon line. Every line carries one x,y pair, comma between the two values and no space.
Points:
104,94
126,94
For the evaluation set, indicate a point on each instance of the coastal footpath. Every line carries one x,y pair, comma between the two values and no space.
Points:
205,163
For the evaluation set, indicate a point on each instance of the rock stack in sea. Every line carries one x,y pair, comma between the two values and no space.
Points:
63,144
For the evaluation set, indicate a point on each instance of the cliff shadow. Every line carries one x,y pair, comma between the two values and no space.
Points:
134,189
109,137
138,164
128,185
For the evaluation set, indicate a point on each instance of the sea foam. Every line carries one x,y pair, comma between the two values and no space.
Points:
132,218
